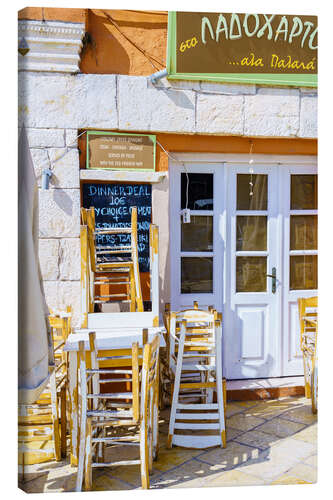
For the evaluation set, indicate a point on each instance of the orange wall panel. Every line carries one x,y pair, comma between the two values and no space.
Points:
109,49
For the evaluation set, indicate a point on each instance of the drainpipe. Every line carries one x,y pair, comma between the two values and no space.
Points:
158,75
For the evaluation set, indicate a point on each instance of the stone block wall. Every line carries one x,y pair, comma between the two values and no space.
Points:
53,106
59,221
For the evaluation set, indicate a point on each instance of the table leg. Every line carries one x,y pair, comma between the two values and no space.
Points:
73,406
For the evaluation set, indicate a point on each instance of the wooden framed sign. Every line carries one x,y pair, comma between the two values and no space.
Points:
243,48
117,151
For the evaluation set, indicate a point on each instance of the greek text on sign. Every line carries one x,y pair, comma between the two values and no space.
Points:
249,47
111,150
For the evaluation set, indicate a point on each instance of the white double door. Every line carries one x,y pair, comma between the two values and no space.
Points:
250,250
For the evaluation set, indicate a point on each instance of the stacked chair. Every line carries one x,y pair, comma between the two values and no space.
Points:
195,361
308,316
115,268
112,418
60,326
42,426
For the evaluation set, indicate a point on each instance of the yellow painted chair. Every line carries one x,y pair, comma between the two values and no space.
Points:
111,419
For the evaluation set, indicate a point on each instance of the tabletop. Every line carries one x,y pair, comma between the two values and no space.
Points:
112,338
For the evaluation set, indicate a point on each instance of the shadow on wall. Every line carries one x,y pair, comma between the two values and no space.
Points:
63,201
107,51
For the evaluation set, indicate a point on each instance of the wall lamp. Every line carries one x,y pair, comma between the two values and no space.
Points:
46,178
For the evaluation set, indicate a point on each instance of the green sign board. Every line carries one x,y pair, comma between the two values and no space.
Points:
118,151
271,49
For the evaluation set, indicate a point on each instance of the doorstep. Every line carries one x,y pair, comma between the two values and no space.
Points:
264,388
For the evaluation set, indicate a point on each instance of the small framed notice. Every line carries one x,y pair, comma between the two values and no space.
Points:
117,151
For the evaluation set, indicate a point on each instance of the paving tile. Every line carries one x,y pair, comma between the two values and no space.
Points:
233,409
188,475
231,456
245,404
233,478
302,414
106,483
244,422
300,474
34,486
309,434
311,460
232,433
280,427
129,474
271,408
278,459
256,438
167,459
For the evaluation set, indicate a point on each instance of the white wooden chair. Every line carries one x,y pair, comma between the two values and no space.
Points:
103,412
197,368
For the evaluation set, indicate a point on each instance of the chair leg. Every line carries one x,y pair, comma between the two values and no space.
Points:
151,428
132,290
144,454
63,421
88,458
55,417
219,385
176,388
155,426
79,477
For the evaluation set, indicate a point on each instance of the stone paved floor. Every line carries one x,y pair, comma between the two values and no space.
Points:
268,442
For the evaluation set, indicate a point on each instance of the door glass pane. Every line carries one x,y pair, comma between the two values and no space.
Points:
200,191
197,275
251,233
303,232
251,274
256,201
303,192
303,272
197,236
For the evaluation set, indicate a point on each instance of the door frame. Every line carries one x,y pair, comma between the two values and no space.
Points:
222,230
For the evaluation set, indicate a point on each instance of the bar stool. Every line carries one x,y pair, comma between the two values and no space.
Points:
104,412
197,368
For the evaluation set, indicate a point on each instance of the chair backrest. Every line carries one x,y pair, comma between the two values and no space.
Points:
114,369
199,328
150,363
307,308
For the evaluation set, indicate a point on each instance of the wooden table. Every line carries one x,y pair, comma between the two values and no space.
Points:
107,339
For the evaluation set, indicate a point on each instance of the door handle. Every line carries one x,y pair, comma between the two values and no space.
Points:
273,276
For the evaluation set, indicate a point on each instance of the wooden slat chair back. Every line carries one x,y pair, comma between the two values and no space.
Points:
101,411
42,432
114,266
60,326
38,428
196,361
308,315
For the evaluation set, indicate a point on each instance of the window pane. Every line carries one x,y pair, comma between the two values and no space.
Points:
197,236
200,191
251,274
303,272
197,274
303,232
256,201
303,192
251,233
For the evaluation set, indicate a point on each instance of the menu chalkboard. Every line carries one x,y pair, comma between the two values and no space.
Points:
112,203
116,151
